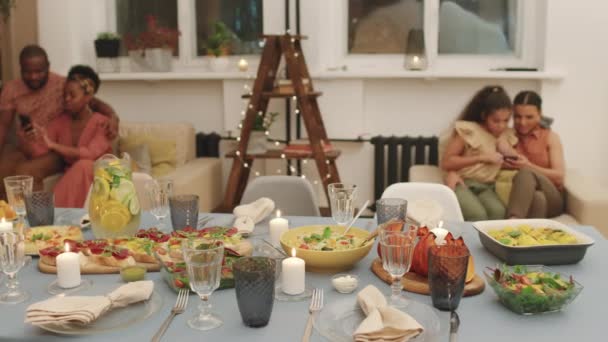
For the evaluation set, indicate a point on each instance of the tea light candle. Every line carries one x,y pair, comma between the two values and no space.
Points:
278,226
243,65
6,227
293,278
68,269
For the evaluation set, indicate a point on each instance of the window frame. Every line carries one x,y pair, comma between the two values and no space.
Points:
186,22
336,56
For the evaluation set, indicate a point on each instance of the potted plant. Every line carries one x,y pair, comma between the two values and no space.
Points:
153,48
257,139
218,46
107,46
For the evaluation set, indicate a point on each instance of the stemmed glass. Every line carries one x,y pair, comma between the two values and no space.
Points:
204,264
397,249
158,192
341,198
16,188
12,254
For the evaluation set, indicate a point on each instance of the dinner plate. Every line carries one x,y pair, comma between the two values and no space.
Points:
116,319
339,319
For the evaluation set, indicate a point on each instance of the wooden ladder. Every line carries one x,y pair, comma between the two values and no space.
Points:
263,90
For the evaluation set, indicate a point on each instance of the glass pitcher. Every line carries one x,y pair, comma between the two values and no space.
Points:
113,205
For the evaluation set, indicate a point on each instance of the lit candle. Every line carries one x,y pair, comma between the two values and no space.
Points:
278,226
243,65
440,233
293,269
6,227
68,269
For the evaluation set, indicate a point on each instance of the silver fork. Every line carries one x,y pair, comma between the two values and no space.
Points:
204,220
316,304
178,308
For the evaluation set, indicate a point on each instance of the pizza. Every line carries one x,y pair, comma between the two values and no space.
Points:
46,236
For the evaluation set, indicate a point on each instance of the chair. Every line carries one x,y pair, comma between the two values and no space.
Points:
139,180
424,191
292,195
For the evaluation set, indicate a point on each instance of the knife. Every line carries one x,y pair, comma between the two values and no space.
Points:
454,324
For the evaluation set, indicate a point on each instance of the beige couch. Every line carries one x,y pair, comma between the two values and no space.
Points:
584,203
200,176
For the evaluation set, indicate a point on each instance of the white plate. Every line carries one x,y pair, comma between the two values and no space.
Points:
114,320
339,319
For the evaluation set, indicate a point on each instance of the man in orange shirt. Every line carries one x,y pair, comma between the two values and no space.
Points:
37,97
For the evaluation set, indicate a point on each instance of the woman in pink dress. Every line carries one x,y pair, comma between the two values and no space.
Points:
79,136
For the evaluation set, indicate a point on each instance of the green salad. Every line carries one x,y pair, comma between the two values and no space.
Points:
328,240
532,289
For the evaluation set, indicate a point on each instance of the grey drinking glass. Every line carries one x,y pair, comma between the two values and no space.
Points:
40,208
390,208
254,282
184,211
447,273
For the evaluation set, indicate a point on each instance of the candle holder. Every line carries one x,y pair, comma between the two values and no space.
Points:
415,56
55,289
284,297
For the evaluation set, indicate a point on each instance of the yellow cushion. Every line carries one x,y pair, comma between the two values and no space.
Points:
162,152
504,183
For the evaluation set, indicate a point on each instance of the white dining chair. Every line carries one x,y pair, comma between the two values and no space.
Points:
443,195
292,195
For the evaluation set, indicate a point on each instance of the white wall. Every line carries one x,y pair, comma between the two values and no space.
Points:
352,107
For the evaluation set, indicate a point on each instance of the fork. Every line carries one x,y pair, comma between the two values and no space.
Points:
316,304
204,220
178,308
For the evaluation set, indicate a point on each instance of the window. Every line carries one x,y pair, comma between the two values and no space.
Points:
132,15
382,26
473,27
243,18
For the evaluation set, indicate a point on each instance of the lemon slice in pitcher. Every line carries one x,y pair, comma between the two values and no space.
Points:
114,221
134,205
123,192
101,188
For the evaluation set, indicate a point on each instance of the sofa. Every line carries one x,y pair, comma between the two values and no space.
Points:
190,175
584,203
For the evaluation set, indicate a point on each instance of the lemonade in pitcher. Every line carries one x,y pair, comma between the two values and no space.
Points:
113,206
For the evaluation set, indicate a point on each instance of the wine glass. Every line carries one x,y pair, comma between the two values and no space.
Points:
341,198
16,188
397,249
12,254
158,192
204,264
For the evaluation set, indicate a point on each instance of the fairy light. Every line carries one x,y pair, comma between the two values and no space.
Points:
305,161
276,143
257,174
250,106
303,176
297,111
243,113
238,153
282,155
296,55
238,138
246,165
267,133
294,98
260,113
240,126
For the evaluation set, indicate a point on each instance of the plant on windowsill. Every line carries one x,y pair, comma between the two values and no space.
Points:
107,46
257,139
154,48
218,46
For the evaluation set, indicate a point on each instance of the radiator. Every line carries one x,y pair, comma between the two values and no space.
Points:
393,157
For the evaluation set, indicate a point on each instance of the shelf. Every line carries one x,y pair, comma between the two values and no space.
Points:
276,154
270,94
439,74
296,36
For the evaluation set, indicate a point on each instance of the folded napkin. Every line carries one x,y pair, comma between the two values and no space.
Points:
65,310
383,323
247,215
425,212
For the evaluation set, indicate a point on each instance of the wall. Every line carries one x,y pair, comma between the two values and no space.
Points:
376,106
16,32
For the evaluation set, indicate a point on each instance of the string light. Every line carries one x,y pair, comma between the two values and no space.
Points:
243,113
245,165
238,138
297,111
238,153
250,106
260,113
293,40
276,143
257,174
267,133
296,55
282,155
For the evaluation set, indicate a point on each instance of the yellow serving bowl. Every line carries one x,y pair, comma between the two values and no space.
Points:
326,261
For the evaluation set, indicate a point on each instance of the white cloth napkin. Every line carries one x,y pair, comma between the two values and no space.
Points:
247,215
425,212
383,323
65,310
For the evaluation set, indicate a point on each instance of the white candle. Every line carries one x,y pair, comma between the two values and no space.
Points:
243,65
6,227
293,276
440,233
278,226
68,269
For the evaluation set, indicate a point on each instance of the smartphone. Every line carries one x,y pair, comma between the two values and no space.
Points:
510,158
26,122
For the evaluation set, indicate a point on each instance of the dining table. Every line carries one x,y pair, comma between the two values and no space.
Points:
482,317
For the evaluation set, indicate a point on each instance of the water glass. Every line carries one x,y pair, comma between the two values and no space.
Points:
390,208
12,258
397,249
16,188
254,279
341,198
40,207
447,273
204,265
184,211
159,192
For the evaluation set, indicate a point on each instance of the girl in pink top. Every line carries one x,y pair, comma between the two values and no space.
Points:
79,136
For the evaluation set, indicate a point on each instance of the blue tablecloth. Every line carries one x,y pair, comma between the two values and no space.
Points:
482,317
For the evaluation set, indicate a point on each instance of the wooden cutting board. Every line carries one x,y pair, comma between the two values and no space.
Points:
418,284
96,269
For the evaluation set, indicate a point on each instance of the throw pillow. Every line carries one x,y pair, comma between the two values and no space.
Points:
162,152
140,158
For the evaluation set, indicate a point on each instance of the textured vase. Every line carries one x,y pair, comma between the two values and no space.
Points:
257,143
158,59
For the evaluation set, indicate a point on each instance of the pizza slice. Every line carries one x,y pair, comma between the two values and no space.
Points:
140,248
101,252
49,253
46,236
